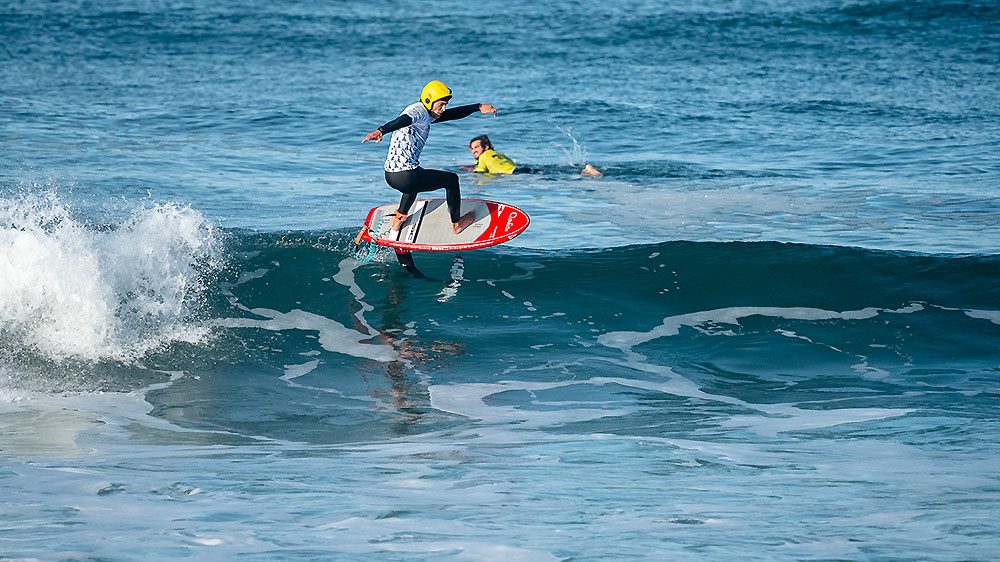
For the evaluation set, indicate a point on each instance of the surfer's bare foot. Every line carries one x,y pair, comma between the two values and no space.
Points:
591,171
397,221
463,223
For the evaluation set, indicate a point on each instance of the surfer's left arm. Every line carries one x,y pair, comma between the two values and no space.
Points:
464,111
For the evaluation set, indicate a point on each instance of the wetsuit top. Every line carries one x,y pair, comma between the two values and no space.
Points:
410,131
493,162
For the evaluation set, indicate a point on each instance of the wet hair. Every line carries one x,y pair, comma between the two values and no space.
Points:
483,140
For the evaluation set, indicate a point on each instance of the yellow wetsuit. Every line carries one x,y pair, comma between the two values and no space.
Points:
493,162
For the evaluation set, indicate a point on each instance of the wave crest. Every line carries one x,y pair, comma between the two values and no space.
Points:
69,290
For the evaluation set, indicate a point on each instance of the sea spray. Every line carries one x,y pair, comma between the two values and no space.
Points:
72,290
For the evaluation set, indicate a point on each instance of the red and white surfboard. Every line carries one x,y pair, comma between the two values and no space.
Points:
428,226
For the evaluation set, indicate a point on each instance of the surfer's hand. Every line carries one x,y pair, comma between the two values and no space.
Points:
485,108
375,135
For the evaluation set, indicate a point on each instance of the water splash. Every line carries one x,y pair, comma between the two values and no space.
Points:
71,290
576,154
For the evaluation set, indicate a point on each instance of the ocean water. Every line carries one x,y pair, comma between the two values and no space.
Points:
771,331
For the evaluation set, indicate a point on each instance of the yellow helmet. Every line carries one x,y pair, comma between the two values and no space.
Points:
434,91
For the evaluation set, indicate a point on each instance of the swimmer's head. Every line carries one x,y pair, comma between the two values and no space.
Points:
479,145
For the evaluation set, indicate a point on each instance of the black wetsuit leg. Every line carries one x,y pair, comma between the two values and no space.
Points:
419,180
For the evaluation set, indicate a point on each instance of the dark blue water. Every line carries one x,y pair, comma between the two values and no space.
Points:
770,331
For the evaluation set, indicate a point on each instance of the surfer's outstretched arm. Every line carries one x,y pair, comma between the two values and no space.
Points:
396,124
464,111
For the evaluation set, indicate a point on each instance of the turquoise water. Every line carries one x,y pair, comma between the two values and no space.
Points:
770,331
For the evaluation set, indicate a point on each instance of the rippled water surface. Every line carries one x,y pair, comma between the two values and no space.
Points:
769,331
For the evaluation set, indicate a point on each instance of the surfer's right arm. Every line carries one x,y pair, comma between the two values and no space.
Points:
396,124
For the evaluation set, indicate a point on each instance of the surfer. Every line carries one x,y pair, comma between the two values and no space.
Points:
409,133
489,161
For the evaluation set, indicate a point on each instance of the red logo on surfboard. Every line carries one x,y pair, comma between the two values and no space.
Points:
508,221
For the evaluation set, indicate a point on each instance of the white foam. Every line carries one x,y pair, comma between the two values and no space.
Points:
250,276
37,423
69,290
671,325
776,418
790,418
333,336
208,541
296,371
469,400
991,315
345,277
